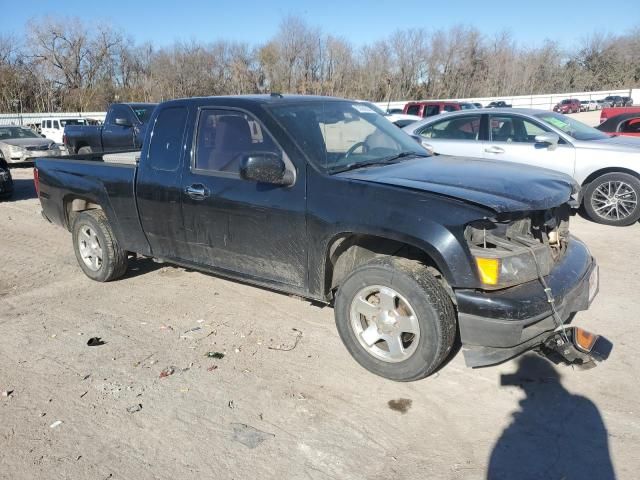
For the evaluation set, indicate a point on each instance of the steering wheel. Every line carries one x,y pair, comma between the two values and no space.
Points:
353,148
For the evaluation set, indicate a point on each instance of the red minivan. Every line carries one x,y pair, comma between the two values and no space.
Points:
430,108
569,105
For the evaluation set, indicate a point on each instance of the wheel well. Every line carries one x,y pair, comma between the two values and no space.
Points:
75,205
604,171
349,251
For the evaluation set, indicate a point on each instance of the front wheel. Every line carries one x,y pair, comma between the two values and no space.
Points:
97,250
612,199
395,319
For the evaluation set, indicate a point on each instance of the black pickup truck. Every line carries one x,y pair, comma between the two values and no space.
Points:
124,128
325,199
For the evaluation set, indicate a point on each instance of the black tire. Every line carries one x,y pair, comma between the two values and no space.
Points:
591,199
84,151
429,300
113,263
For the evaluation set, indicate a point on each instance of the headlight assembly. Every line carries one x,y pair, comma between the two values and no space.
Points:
503,262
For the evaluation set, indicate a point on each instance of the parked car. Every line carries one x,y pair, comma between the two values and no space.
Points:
602,103
499,104
607,168
21,144
614,101
430,108
315,197
609,112
53,128
400,120
588,105
625,124
478,105
569,105
627,101
123,129
6,182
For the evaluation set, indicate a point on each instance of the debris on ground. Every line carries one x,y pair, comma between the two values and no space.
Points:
212,368
231,404
217,355
56,424
167,371
134,408
288,348
95,342
249,436
82,395
194,329
6,393
138,363
401,405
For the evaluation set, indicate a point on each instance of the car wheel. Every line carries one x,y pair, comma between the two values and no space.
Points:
84,150
5,179
96,247
612,199
395,318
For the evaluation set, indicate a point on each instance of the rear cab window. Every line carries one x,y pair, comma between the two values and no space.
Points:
167,139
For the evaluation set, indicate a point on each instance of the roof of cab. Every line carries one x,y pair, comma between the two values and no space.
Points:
257,99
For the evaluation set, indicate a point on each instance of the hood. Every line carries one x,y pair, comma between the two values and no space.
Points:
500,186
620,144
27,142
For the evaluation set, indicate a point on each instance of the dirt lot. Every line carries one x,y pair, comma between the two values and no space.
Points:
309,412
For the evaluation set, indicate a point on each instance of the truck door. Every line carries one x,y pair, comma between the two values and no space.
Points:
237,225
118,131
158,188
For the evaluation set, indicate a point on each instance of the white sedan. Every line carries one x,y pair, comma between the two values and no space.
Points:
607,168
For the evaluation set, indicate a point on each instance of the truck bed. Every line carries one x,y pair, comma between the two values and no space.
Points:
106,180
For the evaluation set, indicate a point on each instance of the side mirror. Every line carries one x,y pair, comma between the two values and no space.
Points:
123,122
423,143
549,138
265,167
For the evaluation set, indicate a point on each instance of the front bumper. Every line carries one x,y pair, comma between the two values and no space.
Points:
499,325
30,155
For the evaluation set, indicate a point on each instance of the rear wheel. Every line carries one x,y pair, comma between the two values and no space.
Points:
612,199
395,318
96,247
84,150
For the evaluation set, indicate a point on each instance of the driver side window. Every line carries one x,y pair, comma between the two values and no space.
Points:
225,137
512,129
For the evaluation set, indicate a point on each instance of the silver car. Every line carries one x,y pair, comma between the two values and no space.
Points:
607,167
21,144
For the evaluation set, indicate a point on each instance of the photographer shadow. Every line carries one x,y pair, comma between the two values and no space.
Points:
555,434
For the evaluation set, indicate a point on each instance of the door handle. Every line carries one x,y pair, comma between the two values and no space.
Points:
197,191
494,150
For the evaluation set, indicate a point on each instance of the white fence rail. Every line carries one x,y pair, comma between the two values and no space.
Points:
542,102
28,119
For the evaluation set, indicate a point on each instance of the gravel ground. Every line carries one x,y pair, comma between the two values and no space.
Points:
286,401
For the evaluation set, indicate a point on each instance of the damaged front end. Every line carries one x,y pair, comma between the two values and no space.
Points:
534,277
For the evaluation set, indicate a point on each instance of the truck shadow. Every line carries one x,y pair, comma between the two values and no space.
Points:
23,189
141,266
554,434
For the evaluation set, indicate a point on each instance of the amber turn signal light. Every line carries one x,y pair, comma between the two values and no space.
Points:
584,340
489,269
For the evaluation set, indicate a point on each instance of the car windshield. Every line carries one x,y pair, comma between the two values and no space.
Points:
571,127
143,112
7,133
342,135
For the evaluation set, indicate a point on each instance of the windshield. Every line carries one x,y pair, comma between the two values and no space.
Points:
571,127
342,135
16,132
143,112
